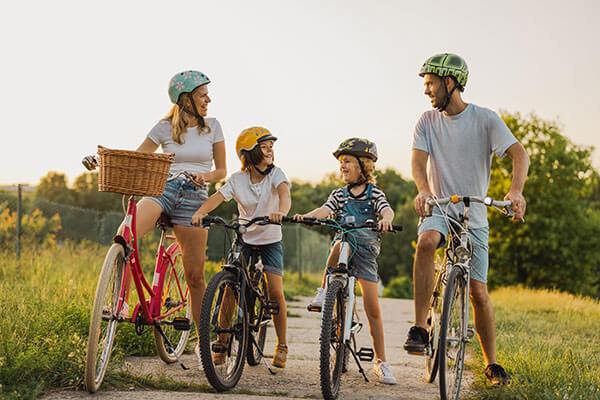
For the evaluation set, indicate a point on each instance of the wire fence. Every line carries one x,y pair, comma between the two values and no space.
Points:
304,249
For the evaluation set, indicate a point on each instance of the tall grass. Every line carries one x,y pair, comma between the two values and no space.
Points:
549,342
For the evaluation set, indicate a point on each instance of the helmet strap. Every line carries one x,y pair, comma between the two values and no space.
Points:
194,113
363,175
266,171
448,95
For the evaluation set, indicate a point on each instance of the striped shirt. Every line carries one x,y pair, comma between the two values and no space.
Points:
336,199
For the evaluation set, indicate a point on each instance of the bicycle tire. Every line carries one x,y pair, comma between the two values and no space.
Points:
102,326
257,312
433,328
223,376
331,339
175,293
452,344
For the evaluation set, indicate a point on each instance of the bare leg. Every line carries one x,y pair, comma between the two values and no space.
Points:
423,274
371,304
332,260
483,315
193,246
275,287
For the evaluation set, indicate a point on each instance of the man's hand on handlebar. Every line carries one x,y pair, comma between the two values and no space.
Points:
420,201
519,204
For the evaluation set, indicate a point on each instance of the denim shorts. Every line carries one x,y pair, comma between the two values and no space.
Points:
365,245
181,199
479,239
270,254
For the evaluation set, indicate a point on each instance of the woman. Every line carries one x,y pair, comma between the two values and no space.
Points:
197,142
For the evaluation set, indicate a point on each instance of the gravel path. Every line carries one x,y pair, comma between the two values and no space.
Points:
301,377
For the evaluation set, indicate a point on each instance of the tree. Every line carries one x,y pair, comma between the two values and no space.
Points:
86,194
53,187
559,245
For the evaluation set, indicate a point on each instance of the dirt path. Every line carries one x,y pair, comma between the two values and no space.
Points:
301,377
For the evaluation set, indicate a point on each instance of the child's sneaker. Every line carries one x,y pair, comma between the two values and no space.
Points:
317,303
280,356
383,370
496,375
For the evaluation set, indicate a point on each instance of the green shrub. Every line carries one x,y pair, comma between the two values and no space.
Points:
400,288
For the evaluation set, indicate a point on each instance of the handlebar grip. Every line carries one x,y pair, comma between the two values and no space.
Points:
397,228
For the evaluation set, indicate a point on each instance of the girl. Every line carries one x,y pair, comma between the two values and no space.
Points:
360,200
260,189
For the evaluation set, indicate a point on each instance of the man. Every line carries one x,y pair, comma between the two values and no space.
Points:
459,140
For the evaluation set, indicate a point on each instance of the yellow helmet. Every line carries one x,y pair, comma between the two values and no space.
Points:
250,137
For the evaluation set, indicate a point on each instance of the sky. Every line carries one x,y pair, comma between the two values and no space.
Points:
75,74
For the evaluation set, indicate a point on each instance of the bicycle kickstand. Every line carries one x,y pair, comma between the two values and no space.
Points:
261,354
360,368
170,348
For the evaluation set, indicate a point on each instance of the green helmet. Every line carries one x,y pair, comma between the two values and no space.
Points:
447,64
185,82
358,148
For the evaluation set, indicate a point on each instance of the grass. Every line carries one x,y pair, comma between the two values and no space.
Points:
550,344
46,300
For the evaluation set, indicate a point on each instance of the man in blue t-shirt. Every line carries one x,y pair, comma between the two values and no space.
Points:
459,141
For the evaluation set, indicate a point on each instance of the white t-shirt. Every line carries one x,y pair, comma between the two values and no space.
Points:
256,200
196,153
460,149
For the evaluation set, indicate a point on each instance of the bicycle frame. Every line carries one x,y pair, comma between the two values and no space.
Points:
150,310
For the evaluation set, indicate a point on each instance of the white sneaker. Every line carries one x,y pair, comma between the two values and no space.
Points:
317,302
383,370
197,351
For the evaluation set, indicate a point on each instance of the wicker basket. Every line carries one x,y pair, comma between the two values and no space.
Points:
132,172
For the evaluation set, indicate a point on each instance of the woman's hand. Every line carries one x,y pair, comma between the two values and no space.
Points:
276,217
197,218
199,179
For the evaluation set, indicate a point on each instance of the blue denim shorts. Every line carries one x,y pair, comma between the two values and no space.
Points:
181,199
271,255
365,245
479,239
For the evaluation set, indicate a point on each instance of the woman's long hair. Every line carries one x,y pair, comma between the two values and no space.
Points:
179,120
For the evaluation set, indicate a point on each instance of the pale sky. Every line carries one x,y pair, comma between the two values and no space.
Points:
75,74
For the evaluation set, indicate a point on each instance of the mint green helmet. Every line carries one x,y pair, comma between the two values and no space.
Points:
447,64
185,82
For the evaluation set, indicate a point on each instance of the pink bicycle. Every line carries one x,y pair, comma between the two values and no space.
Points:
164,305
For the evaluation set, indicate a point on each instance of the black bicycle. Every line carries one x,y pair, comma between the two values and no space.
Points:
235,312
339,319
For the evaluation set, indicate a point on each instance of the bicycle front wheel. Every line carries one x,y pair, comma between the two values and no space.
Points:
452,338
223,331
258,320
332,340
175,303
433,327
103,319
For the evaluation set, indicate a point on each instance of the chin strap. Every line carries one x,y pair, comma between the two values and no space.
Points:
266,171
362,175
194,113
448,96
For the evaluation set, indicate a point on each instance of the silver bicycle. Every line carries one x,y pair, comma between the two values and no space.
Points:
448,315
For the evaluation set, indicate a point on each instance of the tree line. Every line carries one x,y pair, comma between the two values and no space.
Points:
558,246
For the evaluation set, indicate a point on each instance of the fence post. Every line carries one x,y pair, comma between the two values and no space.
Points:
19,214
299,249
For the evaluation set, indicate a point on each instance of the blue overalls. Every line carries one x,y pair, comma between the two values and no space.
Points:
365,243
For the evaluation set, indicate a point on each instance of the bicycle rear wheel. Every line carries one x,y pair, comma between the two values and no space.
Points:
103,319
175,300
452,340
332,340
223,331
258,320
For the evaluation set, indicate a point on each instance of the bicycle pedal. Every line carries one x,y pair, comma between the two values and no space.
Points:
272,308
365,354
181,324
219,348
312,308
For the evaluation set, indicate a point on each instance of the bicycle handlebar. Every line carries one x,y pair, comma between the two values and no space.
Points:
209,220
488,201
310,221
